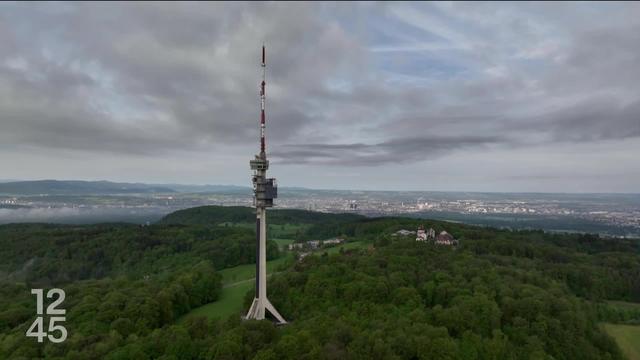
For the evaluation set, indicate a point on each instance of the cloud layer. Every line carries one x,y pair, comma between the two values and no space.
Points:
359,84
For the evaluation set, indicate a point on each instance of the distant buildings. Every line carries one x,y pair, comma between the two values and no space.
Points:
425,235
334,241
314,244
403,232
443,238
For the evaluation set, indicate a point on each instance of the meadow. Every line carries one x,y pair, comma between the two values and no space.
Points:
627,337
238,280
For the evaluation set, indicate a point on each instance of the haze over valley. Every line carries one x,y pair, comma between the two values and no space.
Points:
90,202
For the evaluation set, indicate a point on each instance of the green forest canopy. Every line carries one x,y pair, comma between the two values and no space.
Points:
499,295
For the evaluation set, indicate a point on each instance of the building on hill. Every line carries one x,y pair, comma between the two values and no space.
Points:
444,238
431,234
425,235
403,232
314,244
334,241
421,235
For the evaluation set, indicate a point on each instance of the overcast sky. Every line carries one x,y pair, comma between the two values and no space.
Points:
398,96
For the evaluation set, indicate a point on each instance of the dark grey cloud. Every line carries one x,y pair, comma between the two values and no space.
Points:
395,151
165,76
593,120
154,77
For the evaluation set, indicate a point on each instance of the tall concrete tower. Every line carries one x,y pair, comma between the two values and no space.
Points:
265,190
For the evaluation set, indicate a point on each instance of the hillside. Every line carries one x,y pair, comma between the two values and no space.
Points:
500,295
76,187
46,254
210,215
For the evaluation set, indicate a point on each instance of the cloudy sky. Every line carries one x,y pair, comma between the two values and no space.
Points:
403,96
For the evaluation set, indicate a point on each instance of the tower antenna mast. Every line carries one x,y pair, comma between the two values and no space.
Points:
265,190
262,102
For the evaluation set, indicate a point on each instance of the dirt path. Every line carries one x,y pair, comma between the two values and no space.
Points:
246,280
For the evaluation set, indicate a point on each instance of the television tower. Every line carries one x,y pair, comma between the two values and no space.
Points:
265,190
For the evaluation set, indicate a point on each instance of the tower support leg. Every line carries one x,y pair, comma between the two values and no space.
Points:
261,303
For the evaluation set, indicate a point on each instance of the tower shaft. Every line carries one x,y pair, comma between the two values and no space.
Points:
265,190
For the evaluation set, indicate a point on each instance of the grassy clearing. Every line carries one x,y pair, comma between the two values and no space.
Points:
345,246
239,279
248,271
236,282
285,231
282,243
627,337
237,273
625,305
230,302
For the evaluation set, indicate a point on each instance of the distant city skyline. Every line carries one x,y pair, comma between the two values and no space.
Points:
479,97
78,202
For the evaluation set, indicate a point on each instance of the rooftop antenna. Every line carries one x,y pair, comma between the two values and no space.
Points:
265,190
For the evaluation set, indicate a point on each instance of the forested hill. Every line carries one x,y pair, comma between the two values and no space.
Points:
499,295
51,254
211,215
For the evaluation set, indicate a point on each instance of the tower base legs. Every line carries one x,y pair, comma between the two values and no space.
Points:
257,311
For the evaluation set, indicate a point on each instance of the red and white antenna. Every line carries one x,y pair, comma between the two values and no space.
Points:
262,100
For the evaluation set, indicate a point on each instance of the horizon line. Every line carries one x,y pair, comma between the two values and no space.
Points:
2,181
